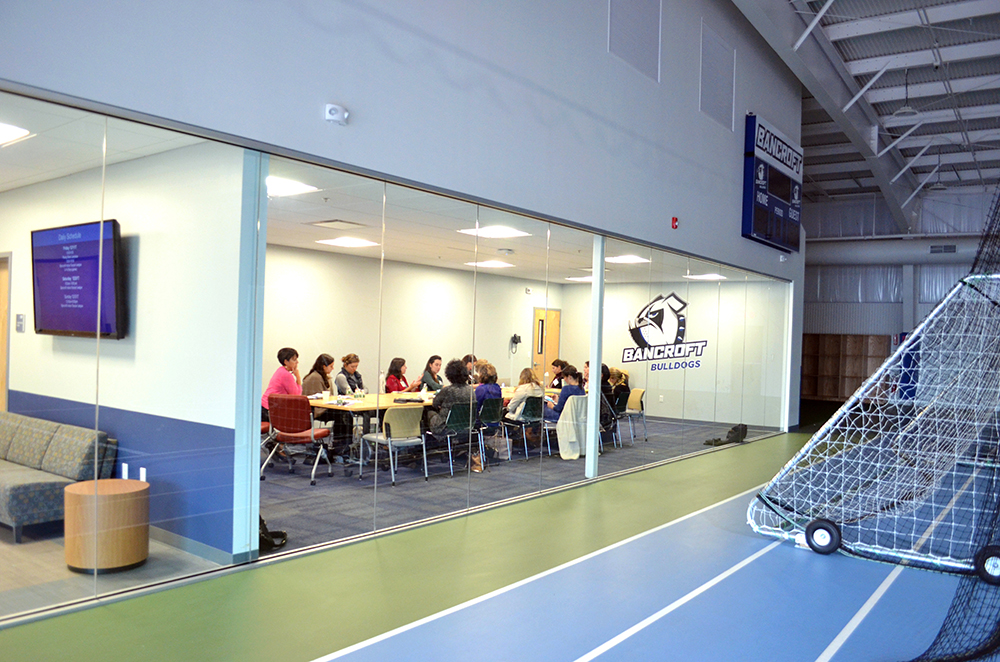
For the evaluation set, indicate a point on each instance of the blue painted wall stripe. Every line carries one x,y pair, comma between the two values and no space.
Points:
189,465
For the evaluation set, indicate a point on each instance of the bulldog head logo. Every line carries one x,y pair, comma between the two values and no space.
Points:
661,322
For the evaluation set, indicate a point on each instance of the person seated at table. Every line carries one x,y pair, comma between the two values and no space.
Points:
487,387
619,382
527,387
395,381
349,380
318,380
470,361
431,379
557,369
606,388
476,368
285,380
571,386
458,390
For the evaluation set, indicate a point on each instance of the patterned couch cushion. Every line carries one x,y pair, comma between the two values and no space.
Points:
31,441
71,453
8,428
28,496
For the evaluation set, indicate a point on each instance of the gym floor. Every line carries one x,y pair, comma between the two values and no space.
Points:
657,564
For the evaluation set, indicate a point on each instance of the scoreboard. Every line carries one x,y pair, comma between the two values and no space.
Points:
772,187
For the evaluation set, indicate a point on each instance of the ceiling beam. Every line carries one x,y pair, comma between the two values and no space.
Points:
933,89
943,116
909,19
989,136
853,185
925,58
922,162
821,69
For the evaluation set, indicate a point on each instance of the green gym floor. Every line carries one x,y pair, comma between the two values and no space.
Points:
305,607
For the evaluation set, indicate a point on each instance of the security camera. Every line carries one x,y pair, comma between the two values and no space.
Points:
335,113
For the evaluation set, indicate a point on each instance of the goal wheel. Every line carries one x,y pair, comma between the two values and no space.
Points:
823,536
987,564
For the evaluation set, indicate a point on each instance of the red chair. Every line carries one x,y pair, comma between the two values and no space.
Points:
292,424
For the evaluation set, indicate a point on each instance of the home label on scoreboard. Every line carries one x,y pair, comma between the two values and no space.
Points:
772,187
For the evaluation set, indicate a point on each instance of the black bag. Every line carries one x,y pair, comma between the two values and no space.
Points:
271,540
736,434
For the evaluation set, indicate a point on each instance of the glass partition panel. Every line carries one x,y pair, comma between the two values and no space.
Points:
632,322
513,300
427,312
50,176
562,345
184,460
322,299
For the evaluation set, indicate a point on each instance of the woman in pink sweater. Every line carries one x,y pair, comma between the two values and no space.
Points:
285,379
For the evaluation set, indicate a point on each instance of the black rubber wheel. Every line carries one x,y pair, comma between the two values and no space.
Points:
987,564
823,536
262,477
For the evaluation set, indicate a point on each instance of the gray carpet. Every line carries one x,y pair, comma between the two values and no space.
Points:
339,507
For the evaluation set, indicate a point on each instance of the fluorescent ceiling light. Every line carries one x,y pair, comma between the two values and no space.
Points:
705,277
347,242
495,232
9,133
489,264
581,279
279,187
626,259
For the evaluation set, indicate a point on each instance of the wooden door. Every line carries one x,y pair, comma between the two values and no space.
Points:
544,341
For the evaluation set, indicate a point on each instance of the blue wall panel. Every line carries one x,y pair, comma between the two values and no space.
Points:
189,465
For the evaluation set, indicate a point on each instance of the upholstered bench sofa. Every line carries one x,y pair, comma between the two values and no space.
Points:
38,459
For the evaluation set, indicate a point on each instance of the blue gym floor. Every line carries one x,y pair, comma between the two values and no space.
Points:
704,587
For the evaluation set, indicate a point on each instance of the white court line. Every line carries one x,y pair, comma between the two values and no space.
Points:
510,587
870,603
646,622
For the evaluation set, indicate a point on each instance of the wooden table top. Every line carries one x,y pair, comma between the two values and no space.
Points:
372,402
107,486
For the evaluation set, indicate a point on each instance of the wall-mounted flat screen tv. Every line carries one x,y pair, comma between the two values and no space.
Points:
79,280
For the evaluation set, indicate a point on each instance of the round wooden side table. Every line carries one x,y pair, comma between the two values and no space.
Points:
107,525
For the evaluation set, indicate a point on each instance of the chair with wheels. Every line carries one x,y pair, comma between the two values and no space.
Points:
531,414
400,429
292,424
636,408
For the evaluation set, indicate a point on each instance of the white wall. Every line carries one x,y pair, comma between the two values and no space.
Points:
516,102
180,219
320,302
741,377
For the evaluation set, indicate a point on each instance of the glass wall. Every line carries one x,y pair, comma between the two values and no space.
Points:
120,263
244,276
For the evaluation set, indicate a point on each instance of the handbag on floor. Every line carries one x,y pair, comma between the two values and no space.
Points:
271,540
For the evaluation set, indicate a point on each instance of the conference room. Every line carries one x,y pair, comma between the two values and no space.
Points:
221,267
380,270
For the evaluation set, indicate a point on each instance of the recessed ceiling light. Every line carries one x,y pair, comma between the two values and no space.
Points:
9,133
495,232
279,187
489,264
347,242
581,279
626,259
705,277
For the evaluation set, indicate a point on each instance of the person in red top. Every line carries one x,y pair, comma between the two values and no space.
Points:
395,380
285,379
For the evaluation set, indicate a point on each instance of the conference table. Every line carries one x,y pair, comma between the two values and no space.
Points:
373,401
361,409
